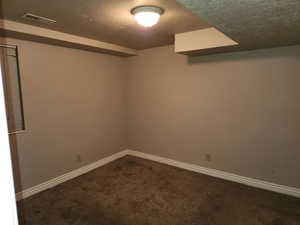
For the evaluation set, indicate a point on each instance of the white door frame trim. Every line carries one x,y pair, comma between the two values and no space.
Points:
7,190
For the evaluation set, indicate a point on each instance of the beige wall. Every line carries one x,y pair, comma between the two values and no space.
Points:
74,104
242,108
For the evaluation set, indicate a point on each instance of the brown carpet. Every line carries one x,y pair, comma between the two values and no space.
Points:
133,191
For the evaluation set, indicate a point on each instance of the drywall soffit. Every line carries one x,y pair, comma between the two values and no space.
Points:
33,33
202,41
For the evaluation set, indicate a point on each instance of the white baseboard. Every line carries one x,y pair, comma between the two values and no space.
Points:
220,174
68,176
191,167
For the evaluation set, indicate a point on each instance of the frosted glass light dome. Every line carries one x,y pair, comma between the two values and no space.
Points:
147,16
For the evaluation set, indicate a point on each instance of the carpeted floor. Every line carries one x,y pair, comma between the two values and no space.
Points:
133,191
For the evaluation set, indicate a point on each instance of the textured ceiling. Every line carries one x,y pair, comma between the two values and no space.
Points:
253,24
108,20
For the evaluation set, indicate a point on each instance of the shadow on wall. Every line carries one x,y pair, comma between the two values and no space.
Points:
237,56
2,41
1,16
1,10
15,162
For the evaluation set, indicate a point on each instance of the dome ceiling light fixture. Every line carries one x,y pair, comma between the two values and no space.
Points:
147,16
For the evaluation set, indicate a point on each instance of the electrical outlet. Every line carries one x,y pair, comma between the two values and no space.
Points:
78,158
207,157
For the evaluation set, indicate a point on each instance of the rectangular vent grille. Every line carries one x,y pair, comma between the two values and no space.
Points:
38,19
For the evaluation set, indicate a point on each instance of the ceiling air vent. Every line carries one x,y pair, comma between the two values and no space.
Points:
38,19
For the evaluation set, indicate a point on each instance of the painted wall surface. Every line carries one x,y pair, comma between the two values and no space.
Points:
240,108
74,104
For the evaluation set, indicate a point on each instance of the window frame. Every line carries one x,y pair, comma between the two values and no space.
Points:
23,127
